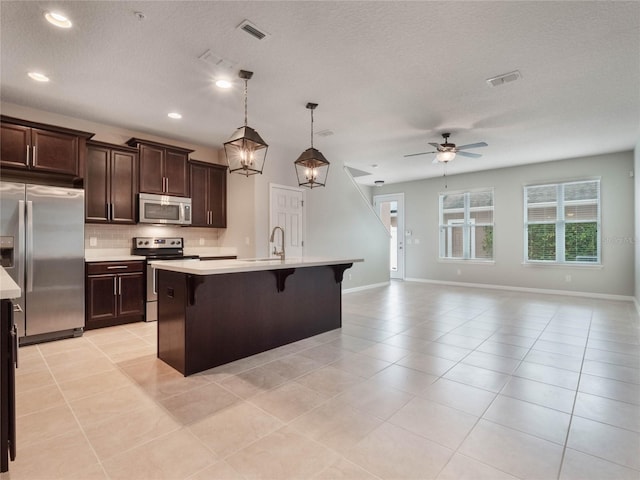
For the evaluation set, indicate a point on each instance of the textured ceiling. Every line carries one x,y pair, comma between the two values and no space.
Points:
388,76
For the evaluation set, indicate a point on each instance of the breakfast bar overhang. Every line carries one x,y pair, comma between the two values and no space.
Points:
214,312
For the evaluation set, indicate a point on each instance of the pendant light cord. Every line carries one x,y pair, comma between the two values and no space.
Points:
245,102
312,128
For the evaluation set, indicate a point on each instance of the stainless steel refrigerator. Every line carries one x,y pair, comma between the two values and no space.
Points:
42,249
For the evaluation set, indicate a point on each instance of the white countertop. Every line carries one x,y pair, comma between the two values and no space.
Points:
8,288
217,267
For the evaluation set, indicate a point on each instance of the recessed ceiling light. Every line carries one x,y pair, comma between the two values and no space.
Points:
223,83
57,19
174,115
38,77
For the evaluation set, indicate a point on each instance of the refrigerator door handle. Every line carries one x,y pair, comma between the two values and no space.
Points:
21,242
154,284
29,253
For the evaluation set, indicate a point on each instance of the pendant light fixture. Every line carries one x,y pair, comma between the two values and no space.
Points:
245,150
311,166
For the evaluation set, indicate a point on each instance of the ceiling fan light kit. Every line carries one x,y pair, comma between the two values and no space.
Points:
311,166
246,151
446,152
445,156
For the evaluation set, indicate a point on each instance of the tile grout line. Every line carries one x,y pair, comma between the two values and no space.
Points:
575,399
480,417
75,417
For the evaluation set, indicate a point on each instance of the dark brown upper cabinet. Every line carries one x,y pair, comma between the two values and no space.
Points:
35,148
163,168
111,183
208,194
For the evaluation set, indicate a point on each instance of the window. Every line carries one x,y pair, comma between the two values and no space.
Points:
466,225
562,222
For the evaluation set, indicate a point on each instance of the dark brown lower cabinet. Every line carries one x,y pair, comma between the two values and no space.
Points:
114,293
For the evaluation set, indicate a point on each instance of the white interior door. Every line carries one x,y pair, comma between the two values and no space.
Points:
390,209
287,212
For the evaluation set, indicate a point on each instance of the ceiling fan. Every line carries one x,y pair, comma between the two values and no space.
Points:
445,152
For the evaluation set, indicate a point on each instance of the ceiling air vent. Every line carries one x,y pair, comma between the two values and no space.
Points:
217,60
253,30
504,78
324,133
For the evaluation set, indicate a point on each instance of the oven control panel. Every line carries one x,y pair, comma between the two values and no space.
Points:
157,242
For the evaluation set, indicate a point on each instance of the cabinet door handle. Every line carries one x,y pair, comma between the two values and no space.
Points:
119,285
116,267
167,188
27,154
111,211
33,155
115,287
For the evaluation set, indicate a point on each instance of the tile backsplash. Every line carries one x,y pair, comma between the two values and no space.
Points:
119,236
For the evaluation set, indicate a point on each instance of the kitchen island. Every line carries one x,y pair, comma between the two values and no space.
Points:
214,312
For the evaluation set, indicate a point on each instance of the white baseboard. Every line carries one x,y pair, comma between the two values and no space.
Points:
365,287
603,296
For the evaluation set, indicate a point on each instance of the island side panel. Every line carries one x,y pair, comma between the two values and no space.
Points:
232,316
172,294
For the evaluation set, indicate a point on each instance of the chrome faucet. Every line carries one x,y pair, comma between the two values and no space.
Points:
272,239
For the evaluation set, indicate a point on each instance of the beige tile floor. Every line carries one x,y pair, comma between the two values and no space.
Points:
422,382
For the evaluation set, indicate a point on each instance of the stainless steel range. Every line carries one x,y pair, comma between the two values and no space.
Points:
157,248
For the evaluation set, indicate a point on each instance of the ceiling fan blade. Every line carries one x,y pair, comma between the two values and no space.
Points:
469,154
436,161
416,154
435,145
473,145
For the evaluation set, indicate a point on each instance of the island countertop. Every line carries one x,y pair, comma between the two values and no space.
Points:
217,267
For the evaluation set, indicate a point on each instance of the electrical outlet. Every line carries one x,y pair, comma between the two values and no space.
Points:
93,241
201,241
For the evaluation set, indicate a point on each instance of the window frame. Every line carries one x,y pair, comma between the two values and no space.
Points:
561,222
468,227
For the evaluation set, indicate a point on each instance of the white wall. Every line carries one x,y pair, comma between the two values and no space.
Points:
339,222
615,277
342,223
636,165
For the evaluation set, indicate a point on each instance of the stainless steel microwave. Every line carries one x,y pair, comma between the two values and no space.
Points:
164,209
